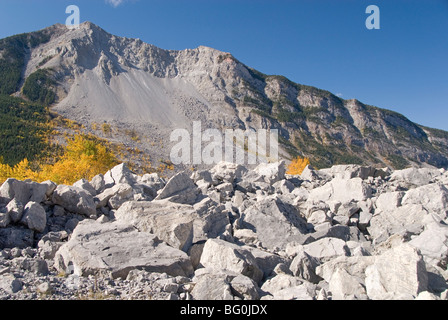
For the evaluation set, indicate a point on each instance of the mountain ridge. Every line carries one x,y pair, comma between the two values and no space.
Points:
127,83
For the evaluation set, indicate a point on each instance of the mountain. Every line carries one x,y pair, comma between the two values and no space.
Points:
136,94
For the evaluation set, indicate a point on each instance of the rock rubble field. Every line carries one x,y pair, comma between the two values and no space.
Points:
344,233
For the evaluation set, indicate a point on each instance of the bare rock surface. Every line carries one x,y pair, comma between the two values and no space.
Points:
343,233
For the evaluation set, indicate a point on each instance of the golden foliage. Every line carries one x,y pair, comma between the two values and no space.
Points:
297,165
83,158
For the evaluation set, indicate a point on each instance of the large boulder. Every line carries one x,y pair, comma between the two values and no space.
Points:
433,197
34,217
414,177
14,210
397,273
119,174
74,200
399,220
326,248
271,172
223,172
341,190
120,192
344,286
179,225
222,255
24,191
433,242
275,223
211,284
304,266
114,249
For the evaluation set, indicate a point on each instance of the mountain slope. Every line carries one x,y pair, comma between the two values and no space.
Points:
143,93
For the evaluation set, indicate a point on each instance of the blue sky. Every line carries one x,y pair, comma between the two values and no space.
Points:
323,43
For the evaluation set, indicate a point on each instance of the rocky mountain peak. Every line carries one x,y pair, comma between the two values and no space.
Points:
95,73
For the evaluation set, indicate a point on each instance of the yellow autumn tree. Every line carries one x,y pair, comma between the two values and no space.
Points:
83,158
297,165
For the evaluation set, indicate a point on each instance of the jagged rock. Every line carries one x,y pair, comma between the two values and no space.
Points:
388,201
398,272
283,187
51,186
222,255
37,266
119,174
271,172
180,189
305,291
152,180
345,232
114,249
224,172
75,200
98,183
275,223
34,216
122,195
287,287
122,190
266,261
50,243
85,185
44,288
310,174
425,295
304,266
